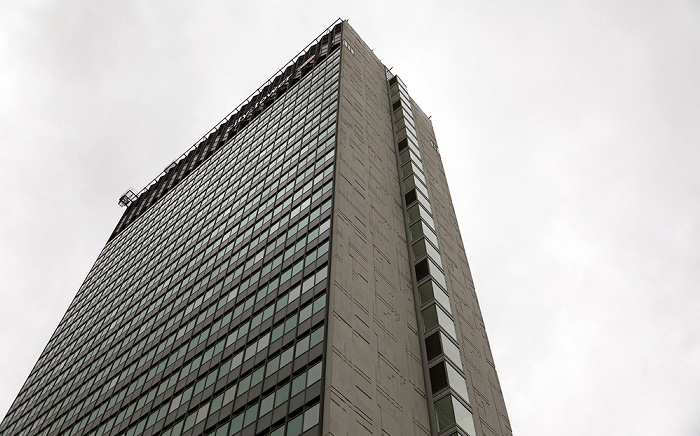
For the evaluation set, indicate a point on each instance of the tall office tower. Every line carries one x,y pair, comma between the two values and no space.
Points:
299,271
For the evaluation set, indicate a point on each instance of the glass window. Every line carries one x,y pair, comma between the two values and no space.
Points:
189,422
230,394
277,332
257,376
316,336
266,404
429,291
422,268
420,248
286,356
438,377
449,411
394,89
419,229
320,303
433,315
403,143
427,267
294,426
202,413
432,346
409,156
311,417
298,384
416,211
451,351
457,382
444,413
273,365
408,183
243,385
216,403
314,374
302,346
417,195
282,394
438,275
250,415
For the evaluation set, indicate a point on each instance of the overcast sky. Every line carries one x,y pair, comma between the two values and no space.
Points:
569,131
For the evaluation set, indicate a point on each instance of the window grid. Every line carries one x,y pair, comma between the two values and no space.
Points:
162,281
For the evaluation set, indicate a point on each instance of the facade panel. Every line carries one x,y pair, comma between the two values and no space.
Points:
375,382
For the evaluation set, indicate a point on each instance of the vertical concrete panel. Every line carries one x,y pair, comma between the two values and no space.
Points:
374,378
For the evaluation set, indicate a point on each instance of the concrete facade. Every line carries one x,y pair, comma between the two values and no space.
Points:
374,371
375,380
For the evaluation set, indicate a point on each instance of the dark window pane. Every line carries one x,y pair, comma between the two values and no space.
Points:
438,377
403,144
432,346
411,196
422,270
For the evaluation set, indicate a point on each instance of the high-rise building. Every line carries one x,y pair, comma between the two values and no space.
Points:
298,271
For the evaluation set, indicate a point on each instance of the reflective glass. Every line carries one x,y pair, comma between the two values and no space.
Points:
418,229
427,267
444,413
434,315
449,411
429,291
457,382
421,247
451,351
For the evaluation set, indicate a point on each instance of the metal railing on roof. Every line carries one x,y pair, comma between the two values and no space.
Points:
234,111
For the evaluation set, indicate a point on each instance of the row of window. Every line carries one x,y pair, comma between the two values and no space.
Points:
87,282
150,263
200,283
208,378
258,410
322,247
201,335
244,305
326,188
171,403
447,384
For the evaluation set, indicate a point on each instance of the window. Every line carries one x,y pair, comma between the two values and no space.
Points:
429,291
438,377
421,248
417,211
427,267
437,344
419,229
449,411
433,315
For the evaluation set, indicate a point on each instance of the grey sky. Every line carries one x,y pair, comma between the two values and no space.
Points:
570,133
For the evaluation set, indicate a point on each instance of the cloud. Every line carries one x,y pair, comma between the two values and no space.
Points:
568,132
